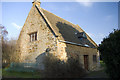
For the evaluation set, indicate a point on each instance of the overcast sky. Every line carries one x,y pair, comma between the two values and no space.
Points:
97,19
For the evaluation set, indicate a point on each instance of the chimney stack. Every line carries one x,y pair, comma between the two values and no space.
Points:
36,2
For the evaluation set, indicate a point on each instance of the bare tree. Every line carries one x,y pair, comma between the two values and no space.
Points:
12,50
3,34
8,47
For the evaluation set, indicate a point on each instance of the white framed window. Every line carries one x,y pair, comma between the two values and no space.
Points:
33,36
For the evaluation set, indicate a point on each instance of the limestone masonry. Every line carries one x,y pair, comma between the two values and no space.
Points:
44,31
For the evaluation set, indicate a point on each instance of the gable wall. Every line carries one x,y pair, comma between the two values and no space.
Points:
30,50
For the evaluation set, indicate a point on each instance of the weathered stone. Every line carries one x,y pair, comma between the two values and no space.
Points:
30,51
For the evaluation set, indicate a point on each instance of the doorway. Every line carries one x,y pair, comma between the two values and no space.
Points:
86,62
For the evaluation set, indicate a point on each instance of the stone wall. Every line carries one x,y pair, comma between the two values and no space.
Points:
79,51
61,52
30,50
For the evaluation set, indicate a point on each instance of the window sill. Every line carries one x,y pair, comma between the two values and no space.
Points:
33,41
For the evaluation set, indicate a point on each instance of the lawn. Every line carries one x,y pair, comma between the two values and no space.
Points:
13,74
102,64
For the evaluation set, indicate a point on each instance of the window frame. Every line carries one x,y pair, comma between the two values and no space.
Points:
81,35
33,36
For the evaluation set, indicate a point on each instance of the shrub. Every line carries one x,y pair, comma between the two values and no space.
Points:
55,68
110,52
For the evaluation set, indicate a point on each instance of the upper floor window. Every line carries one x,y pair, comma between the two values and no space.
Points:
33,36
94,58
81,35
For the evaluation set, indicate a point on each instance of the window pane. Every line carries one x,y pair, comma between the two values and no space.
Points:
36,36
30,38
33,37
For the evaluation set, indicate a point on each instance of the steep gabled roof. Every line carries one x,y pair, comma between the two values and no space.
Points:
64,29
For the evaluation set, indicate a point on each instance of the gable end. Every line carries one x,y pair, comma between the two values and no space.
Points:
46,22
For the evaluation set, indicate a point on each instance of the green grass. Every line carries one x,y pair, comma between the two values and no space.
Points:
13,74
102,64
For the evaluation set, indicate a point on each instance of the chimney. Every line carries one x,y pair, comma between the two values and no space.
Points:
36,2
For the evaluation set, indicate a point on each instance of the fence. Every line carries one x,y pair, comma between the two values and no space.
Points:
22,67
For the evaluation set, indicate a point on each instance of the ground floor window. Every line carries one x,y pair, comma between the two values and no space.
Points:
94,58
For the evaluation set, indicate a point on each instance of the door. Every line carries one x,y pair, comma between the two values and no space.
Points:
86,62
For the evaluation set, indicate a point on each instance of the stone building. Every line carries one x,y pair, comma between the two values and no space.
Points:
44,31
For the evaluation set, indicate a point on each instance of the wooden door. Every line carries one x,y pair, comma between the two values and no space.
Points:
86,62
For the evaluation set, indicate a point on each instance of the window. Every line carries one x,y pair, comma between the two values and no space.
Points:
81,35
33,37
94,58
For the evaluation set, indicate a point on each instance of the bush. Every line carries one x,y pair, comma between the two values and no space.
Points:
110,52
55,68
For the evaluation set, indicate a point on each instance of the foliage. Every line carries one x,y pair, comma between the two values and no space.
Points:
110,52
102,64
8,50
8,47
3,32
55,68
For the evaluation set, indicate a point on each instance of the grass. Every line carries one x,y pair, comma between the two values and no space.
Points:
102,64
14,74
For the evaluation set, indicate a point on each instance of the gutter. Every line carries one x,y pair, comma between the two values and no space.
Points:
74,43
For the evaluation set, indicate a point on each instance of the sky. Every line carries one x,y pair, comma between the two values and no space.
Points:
97,19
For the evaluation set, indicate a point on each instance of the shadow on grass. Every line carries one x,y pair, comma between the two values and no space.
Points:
98,74
15,74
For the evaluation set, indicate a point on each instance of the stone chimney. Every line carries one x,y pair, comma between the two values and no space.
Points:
36,2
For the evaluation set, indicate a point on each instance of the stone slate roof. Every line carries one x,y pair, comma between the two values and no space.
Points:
64,29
